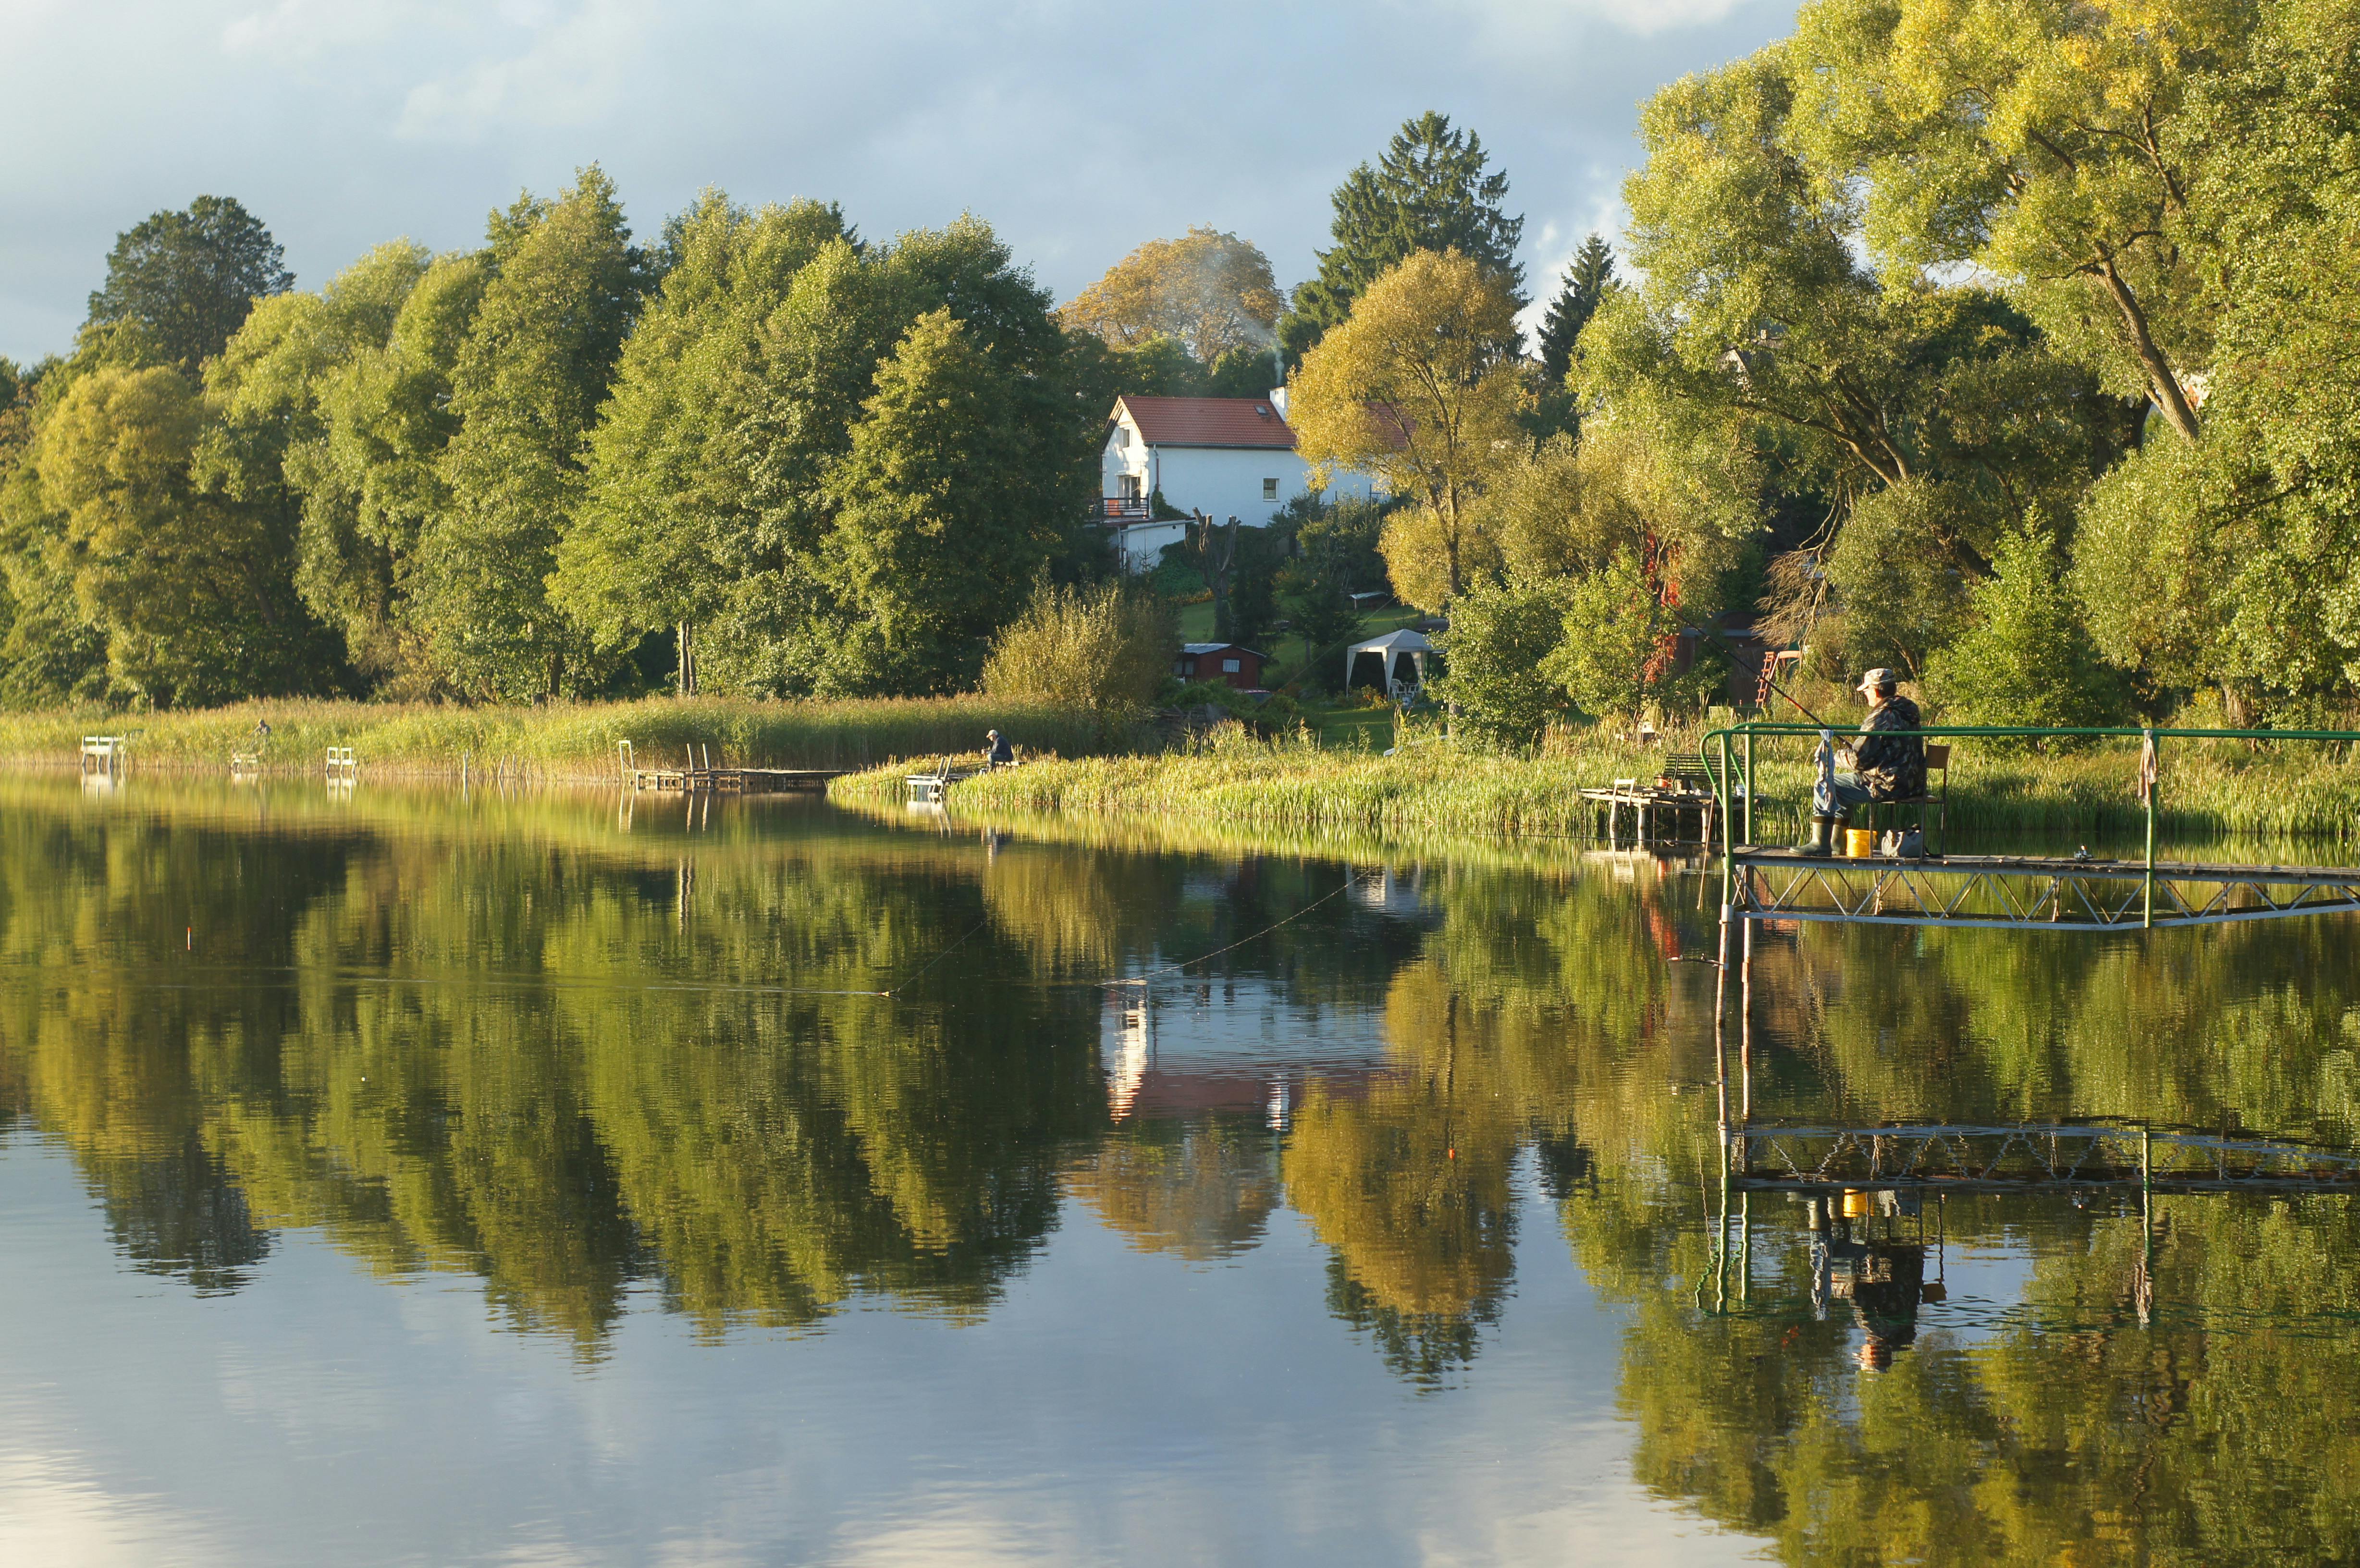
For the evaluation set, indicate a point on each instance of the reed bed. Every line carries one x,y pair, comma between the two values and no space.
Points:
552,741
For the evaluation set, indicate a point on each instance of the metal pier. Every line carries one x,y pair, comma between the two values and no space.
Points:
2030,891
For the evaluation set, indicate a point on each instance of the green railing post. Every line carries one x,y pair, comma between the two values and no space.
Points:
1750,839
2151,788
1728,885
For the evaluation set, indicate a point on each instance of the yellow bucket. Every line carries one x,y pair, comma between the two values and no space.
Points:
1855,1203
1860,843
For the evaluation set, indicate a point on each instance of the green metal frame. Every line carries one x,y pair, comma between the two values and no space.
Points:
2148,736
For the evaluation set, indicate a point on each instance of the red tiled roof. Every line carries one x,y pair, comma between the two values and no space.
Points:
1208,421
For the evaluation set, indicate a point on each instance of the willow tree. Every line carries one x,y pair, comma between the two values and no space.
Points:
2046,144
1927,419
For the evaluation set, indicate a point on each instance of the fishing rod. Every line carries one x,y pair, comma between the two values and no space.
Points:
1722,637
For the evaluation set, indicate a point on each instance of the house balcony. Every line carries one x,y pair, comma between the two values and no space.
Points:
1123,508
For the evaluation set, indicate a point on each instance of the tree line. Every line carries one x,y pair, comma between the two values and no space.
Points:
1995,344
2001,347
519,471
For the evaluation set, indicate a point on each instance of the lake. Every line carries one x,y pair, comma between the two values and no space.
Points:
396,1176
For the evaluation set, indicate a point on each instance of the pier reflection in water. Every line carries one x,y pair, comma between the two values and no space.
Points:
1425,1170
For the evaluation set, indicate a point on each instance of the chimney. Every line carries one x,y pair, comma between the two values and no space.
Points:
1278,400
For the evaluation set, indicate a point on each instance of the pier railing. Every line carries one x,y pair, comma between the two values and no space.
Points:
1838,887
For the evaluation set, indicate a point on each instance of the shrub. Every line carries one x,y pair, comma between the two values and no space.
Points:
2025,656
1099,648
1500,639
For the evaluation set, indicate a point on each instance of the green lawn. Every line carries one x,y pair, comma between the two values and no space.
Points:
1285,649
1336,724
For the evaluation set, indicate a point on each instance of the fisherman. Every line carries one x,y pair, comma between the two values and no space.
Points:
999,753
1888,762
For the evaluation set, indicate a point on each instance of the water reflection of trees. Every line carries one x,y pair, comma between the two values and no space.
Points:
565,1072
575,1065
2076,1428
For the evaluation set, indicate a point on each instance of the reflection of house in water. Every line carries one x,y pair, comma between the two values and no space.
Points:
1177,1051
1398,893
1126,1055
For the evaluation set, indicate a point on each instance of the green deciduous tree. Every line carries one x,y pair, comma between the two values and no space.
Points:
2025,657
188,279
1432,190
670,491
942,504
1415,389
50,650
527,389
729,451
279,393
1501,638
192,589
1614,654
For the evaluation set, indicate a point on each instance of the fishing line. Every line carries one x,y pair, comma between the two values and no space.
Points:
1350,882
937,958
571,982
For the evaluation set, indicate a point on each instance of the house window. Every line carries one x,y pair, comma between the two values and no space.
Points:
1230,667
1123,435
1270,489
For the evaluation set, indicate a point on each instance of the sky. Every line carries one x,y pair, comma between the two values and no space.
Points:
1078,130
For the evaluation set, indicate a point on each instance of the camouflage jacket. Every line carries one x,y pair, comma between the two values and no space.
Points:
1890,762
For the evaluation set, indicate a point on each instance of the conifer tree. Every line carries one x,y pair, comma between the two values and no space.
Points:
1433,189
1587,278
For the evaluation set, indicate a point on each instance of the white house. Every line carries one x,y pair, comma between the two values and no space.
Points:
1227,457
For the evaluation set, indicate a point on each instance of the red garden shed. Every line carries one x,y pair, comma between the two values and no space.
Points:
1230,663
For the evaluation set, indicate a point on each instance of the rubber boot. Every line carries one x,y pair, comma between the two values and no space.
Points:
1822,836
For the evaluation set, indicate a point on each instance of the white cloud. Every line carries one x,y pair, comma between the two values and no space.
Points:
1076,129
575,68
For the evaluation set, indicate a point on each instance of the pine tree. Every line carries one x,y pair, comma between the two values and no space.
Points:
1587,278
1431,191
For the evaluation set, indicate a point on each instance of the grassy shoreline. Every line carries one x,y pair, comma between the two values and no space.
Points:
556,742
2210,790
1431,788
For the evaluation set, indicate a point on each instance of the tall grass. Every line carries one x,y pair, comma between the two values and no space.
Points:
562,740
2293,791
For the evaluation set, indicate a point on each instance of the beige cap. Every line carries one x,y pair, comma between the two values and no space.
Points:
1880,676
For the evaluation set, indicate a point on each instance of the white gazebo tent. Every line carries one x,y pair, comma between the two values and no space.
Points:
1389,648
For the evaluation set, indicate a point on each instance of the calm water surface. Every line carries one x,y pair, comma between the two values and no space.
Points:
404,1179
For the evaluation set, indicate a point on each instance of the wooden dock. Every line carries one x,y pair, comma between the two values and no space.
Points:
697,775
1656,813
